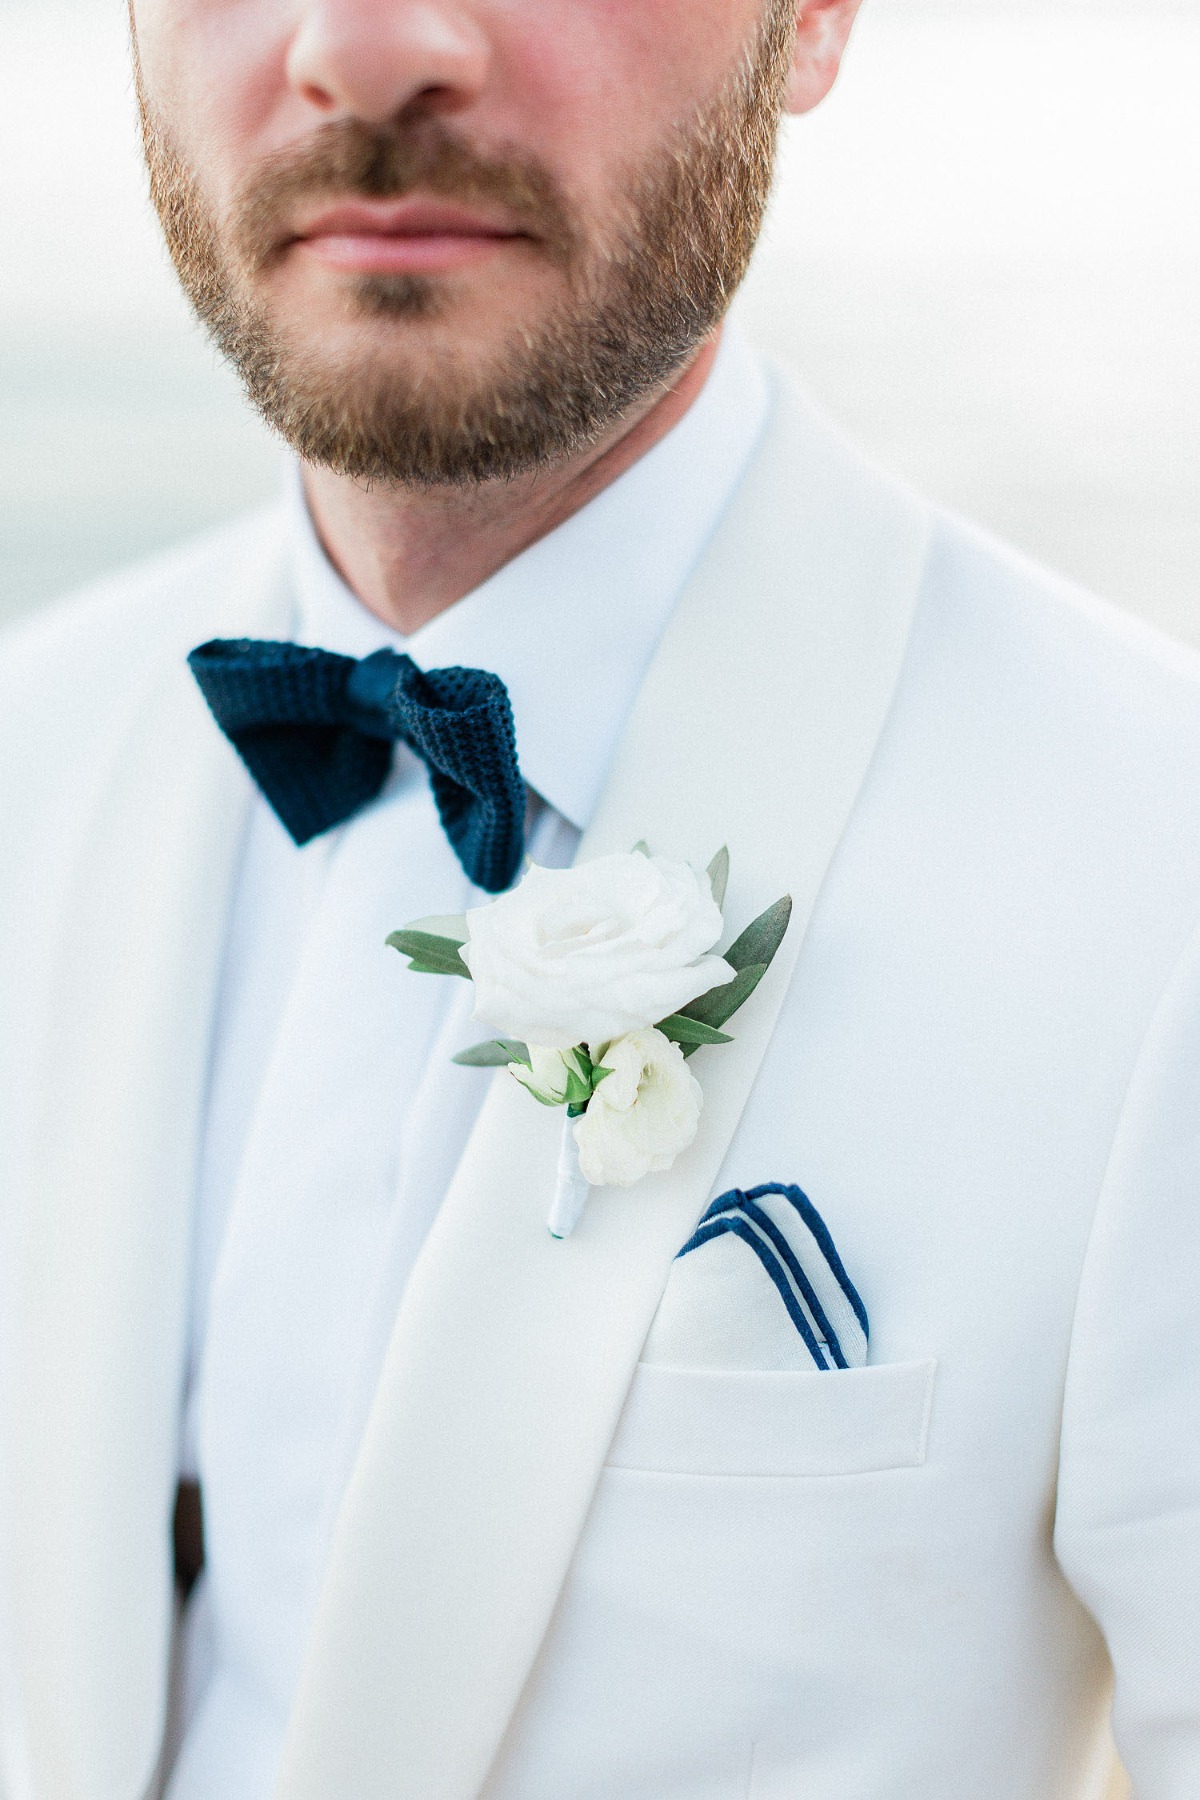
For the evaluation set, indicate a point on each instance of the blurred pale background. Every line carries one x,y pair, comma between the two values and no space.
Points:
983,257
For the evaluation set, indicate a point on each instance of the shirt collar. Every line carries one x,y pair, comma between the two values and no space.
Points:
570,625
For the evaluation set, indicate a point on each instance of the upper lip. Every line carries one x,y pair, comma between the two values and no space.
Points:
405,218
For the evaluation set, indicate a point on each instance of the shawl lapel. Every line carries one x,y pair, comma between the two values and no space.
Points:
97,1344
511,1353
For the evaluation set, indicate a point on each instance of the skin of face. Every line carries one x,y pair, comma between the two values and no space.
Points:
586,90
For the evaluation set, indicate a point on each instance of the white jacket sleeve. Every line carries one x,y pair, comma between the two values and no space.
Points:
1127,1529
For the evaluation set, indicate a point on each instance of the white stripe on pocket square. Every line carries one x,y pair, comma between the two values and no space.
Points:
760,1285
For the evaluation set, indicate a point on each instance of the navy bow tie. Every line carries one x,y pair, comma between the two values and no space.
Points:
316,731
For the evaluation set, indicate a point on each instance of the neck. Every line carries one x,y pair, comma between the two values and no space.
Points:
410,554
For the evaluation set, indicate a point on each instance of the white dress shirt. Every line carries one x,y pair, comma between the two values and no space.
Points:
328,1145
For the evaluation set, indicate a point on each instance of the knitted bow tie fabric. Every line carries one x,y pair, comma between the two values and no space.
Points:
316,731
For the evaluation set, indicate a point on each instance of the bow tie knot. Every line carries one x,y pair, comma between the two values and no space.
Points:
316,731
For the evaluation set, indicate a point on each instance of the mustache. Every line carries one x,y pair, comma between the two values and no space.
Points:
388,162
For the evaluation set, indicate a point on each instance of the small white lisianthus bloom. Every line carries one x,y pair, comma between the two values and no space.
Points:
589,954
642,1115
547,1074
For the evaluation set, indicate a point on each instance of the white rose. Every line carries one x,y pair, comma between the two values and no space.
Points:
589,954
642,1115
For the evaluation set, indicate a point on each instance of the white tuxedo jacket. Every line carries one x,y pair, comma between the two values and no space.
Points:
560,1573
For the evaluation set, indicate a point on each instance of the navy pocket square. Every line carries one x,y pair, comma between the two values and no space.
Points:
760,1285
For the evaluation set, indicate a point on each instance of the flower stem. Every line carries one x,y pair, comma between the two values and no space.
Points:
570,1188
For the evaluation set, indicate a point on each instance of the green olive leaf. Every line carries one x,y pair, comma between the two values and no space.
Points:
761,939
683,1030
430,955
718,874
497,1053
720,1004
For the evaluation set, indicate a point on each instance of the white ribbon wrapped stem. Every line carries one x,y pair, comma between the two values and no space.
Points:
570,1188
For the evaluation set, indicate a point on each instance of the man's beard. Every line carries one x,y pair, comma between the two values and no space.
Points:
634,311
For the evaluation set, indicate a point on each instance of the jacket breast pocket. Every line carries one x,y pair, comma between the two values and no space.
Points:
780,1423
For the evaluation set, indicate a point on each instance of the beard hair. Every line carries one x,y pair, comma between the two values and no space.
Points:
633,312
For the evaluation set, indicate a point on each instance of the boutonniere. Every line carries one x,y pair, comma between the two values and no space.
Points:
601,982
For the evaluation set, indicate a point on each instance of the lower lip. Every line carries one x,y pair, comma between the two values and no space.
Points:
378,255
